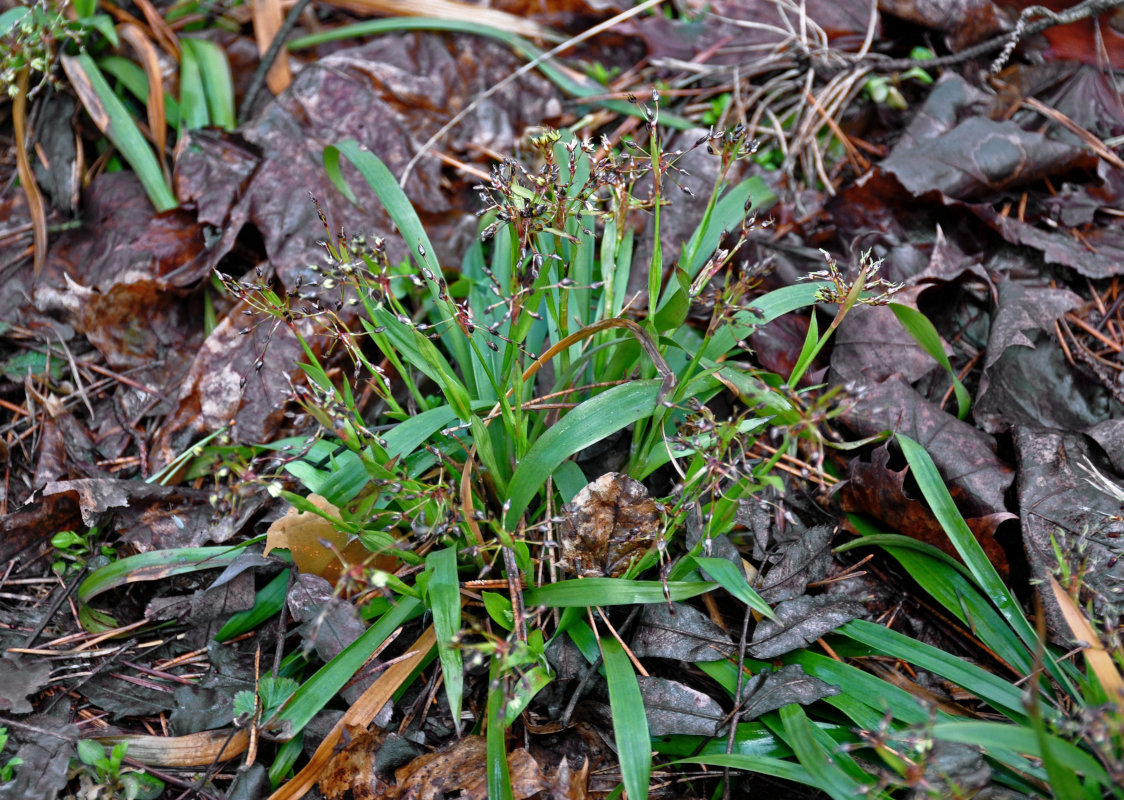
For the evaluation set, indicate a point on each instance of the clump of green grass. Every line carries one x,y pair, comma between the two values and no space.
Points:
459,460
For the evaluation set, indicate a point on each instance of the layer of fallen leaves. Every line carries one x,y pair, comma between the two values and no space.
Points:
995,199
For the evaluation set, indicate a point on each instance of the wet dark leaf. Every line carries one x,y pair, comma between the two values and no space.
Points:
565,658
687,635
1024,308
1065,508
799,623
877,490
1087,95
45,762
767,690
777,344
119,279
154,517
212,171
1028,380
685,38
330,624
35,523
129,698
212,394
964,22
672,708
1097,253
954,767
1076,205
981,158
800,561
250,784
965,456
20,678
55,135
1087,40
200,708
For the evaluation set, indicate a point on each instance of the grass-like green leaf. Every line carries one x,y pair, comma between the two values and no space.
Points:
727,214
944,509
398,206
764,765
1003,696
763,310
529,684
590,422
945,579
443,594
807,352
342,478
585,592
132,77
194,113
386,188
218,85
112,118
1063,780
940,501
881,696
733,581
815,757
319,690
499,778
1022,739
151,566
103,24
630,724
921,329
10,18
267,603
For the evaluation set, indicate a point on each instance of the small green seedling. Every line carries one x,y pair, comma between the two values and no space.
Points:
7,770
600,73
884,88
74,549
104,776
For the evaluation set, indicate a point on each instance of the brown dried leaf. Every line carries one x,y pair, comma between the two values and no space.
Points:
268,17
462,767
36,522
315,543
151,517
877,490
353,768
608,524
964,22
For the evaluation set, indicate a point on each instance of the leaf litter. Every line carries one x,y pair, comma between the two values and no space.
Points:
975,195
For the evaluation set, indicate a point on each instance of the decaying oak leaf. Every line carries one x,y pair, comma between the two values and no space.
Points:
880,491
610,523
462,767
316,544
353,768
